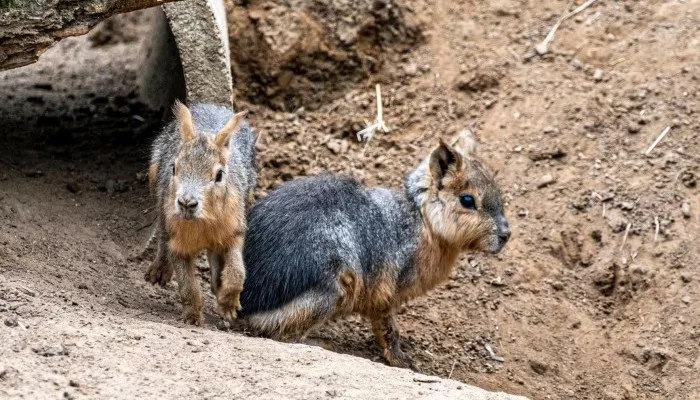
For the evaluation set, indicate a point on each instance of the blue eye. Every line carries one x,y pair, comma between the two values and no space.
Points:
467,201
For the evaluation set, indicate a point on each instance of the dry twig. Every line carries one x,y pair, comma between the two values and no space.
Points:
656,228
367,133
452,369
426,380
543,47
624,239
658,139
492,354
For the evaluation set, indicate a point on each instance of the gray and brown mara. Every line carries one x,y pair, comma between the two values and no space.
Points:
202,174
324,247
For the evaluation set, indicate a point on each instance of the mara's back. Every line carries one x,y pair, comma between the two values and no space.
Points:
305,233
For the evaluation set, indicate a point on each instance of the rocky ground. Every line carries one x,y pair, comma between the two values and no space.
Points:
596,295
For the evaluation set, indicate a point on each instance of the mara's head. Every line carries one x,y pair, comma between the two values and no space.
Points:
459,198
199,182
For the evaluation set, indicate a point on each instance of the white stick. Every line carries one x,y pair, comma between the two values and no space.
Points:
624,239
658,139
542,48
368,132
656,229
452,369
380,119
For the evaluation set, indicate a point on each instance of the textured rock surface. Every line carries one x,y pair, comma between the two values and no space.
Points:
200,30
28,28
127,67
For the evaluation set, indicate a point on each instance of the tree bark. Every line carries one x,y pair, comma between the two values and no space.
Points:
29,27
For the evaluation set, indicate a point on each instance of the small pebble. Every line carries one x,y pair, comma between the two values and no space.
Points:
598,75
11,322
686,299
546,180
73,187
685,209
538,367
51,350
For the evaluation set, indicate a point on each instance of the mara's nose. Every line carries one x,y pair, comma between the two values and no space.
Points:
187,203
504,236
504,233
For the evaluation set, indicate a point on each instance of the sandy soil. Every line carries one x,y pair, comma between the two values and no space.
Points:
587,302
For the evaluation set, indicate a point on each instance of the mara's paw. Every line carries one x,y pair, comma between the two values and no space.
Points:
159,273
192,315
228,302
398,358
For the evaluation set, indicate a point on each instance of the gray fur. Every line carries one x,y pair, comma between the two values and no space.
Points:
323,247
212,197
319,227
209,119
304,235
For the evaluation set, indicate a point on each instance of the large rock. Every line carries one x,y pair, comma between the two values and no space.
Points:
127,69
201,33
28,28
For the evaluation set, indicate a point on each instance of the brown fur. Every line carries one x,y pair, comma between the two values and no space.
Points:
378,297
220,228
184,119
153,178
222,138
448,229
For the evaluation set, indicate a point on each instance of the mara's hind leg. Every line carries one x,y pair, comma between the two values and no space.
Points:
160,271
294,320
386,333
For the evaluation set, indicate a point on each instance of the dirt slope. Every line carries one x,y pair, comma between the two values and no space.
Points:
74,355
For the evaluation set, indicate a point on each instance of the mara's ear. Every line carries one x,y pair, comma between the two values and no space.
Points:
224,136
184,120
443,160
466,142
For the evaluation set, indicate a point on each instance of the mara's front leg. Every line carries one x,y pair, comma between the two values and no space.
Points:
190,294
231,279
386,333
160,271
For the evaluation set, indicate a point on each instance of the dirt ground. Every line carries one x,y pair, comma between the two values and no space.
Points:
596,296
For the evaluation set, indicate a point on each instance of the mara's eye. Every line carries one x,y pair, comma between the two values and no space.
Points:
172,168
467,201
219,175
